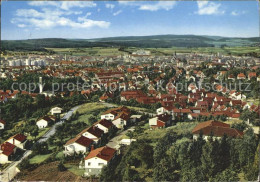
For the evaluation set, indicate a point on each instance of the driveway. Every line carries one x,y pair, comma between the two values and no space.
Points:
114,142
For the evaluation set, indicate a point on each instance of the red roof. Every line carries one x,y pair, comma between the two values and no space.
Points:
84,141
217,128
2,121
105,123
163,118
20,137
94,131
7,148
159,124
105,153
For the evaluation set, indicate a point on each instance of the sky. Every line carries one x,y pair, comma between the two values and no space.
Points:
96,19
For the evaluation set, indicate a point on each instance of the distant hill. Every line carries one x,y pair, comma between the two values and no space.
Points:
153,41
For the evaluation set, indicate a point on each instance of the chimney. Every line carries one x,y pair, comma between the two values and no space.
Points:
92,147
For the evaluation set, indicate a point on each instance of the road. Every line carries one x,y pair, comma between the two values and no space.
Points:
9,173
52,131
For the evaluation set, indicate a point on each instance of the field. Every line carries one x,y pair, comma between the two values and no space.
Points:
48,172
207,50
39,158
99,51
96,51
155,135
114,51
88,110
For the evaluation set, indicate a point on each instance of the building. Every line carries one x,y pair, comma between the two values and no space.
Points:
56,110
98,158
19,140
7,152
93,133
2,124
121,120
216,128
44,122
160,121
104,125
79,144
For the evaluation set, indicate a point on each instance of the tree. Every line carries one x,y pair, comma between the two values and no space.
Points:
226,175
210,158
253,170
247,148
25,164
165,171
131,175
40,148
195,175
35,132
92,119
130,134
224,148
40,101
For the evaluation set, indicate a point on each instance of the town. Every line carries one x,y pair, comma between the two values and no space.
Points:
128,99
130,91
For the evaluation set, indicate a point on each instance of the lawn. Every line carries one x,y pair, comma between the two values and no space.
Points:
59,155
39,158
183,127
41,133
75,169
88,110
89,107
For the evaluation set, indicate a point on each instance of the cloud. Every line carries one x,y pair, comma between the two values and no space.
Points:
49,18
65,5
236,13
153,6
21,25
110,6
162,5
80,19
117,13
209,8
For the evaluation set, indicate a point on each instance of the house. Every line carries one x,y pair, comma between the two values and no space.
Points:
44,122
56,110
121,120
160,121
111,114
135,118
7,151
2,124
126,141
98,158
104,125
216,128
19,140
251,75
131,94
163,110
241,76
93,133
79,144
